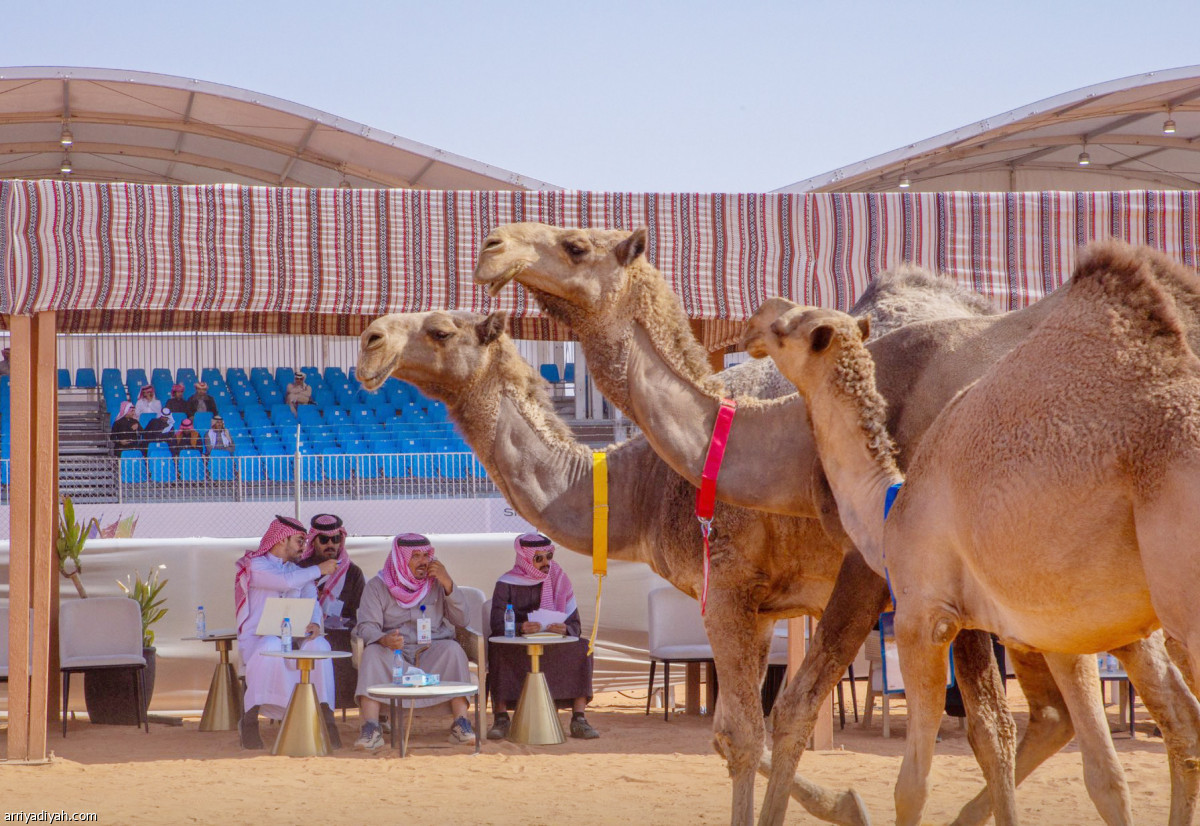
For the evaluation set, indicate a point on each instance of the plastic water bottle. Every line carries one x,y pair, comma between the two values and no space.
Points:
510,621
201,626
285,633
1111,665
397,667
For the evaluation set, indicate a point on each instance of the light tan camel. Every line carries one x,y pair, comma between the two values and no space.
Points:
500,406
1051,503
642,356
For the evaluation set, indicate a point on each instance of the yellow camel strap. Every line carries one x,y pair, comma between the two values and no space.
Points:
599,534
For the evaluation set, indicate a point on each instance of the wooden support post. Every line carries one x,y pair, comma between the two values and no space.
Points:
33,508
710,688
716,360
691,688
822,737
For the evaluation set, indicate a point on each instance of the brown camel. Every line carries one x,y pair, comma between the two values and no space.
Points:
1087,432
501,407
644,359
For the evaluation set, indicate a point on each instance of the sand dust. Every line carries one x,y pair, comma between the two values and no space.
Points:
642,770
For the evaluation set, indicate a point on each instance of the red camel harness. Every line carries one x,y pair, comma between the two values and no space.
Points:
706,497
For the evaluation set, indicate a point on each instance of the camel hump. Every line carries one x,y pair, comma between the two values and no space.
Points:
908,293
1147,296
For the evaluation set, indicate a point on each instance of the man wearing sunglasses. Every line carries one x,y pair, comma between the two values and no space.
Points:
535,582
339,594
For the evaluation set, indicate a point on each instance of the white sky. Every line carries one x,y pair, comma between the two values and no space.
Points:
739,96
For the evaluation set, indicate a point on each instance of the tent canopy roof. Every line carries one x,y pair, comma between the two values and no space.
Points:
152,128
1119,124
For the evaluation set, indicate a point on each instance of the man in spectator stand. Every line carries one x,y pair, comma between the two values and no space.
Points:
180,407
201,402
298,392
146,402
126,432
218,439
185,438
4,363
159,429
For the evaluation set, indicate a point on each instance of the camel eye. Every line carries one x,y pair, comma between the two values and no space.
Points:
575,249
439,335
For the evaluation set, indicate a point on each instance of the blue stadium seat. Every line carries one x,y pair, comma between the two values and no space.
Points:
145,419
393,466
569,372
250,468
220,467
279,468
160,374
283,416
212,377
254,417
312,468
191,466
86,377
334,373
365,466
308,414
336,465
324,400
64,379
158,449
202,421
162,389
550,373
136,374
162,469
133,467
111,375
347,397
185,376
134,386
5,464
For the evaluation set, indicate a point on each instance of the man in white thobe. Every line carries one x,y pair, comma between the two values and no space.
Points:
271,571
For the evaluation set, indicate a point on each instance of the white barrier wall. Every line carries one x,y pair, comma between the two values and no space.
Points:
200,572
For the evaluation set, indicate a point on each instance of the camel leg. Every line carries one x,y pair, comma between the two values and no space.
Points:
1163,690
741,642
1183,661
1079,681
858,596
1048,731
990,727
924,641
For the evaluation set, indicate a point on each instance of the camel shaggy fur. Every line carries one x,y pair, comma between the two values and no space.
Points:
1087,436
500,406
642,356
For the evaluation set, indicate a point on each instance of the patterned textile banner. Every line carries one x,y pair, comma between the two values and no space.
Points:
143,257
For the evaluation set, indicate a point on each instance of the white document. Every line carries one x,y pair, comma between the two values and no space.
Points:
546,617
297,609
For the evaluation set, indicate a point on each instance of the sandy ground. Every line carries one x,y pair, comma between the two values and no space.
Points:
642,770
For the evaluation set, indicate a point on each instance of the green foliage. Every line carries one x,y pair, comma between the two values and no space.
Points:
70,541
146,592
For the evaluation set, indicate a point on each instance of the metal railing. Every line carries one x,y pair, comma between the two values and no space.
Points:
307,476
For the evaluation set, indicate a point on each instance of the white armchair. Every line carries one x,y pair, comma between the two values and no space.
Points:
676,636
102,633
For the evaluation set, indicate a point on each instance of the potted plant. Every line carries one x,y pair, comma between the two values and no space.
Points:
106,693
72,536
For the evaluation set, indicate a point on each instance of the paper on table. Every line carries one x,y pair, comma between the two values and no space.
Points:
546,617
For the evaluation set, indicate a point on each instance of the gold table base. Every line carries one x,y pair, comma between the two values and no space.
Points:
535,722
302,733
223,706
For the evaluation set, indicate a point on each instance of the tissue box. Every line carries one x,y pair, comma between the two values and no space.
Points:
419,679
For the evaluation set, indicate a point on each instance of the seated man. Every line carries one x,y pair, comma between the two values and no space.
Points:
536,581
271,571
218,439
159,428
298,392
201,402
126,433
411,585
339,594
180,407
146,402
185,438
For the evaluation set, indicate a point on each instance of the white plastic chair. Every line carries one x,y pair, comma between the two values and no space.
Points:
102,633
676,636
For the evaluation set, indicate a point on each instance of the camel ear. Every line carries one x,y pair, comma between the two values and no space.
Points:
822,337
492,327
628,250
864,328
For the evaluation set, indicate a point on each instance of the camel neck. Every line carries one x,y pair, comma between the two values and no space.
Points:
858,471
544,474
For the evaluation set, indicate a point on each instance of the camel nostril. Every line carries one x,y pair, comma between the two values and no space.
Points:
373,340
491,244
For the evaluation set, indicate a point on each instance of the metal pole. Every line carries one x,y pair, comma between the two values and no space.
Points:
296,473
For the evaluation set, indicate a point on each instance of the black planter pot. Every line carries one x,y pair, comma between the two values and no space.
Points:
109,694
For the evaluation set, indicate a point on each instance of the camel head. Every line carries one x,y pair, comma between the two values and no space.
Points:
804,340
432,350
584,267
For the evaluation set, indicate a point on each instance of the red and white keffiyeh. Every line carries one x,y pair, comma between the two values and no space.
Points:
396,574
329,587
557,591
280,528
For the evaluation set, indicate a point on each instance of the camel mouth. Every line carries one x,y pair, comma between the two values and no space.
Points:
495,286
374,380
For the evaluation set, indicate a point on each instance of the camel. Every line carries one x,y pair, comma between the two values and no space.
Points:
501,408
1087,432
643,357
